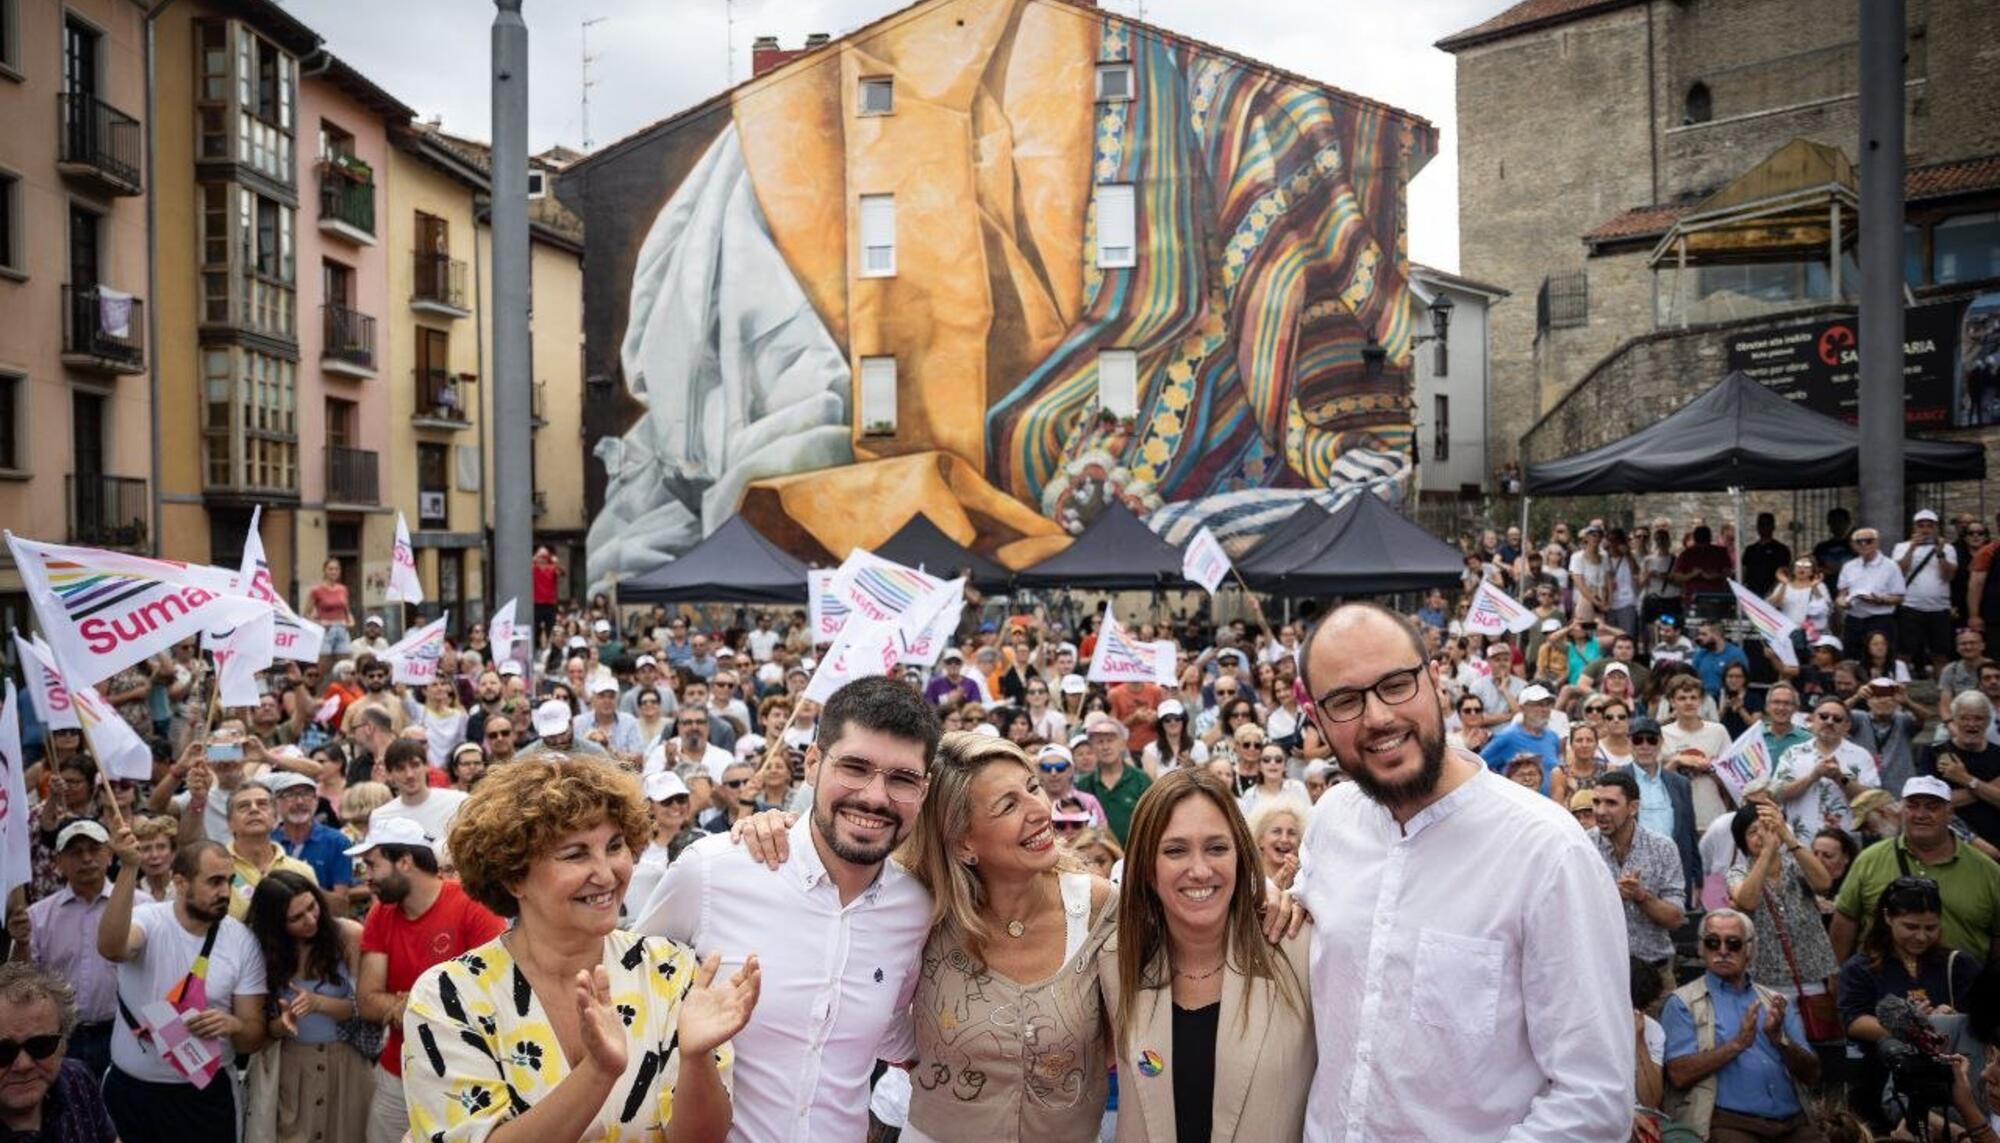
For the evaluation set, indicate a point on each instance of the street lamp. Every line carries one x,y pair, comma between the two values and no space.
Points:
1441,308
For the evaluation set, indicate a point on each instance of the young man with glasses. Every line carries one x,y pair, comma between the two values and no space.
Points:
839,929
1870,587
1968,880
1737,1056
1816,779
1475,1004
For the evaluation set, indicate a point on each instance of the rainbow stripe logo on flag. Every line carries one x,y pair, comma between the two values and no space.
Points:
1772,624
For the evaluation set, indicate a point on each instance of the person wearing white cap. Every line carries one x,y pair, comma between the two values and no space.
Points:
1871,586
671,805
63,938
372,641
607,726
1816,779
1968,881
1928,564
306,839
1175,745
420,919
157,947
555,729
646,673
1531,735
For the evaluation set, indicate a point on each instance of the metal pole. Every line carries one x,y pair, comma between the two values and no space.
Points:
513,500
1881,243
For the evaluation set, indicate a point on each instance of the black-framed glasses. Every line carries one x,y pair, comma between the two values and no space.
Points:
1713,942
1394,689
1830,716
906,786
1914,894
736,783
38,1048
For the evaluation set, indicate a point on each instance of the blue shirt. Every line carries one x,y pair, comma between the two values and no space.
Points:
325,849
1516,739
1710,665
1656,807
1756,1082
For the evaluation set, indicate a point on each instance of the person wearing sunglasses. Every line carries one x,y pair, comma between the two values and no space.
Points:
1737,1061
43,1093
1903,955
1869,588
1816,779
1057,767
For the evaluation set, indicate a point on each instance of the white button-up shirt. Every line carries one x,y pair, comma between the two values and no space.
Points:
1879,576
837,981
1469,976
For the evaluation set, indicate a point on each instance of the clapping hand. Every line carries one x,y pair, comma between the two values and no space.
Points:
1774,1018
602,1029
1951,768
1746,1033
710,1012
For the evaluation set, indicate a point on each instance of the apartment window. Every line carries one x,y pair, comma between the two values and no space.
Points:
1114,82
11,388
1441,356
339,423
334,142
10,221
1563,301
1118,382
1117,230
878,396
878,235
245,100
1441,428
1699,107
1966,248
250,424
433,487
878,96
10,34
248,260
538,183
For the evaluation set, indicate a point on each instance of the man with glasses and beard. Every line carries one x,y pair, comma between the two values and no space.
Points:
499,740
1452,997
161,948
838,929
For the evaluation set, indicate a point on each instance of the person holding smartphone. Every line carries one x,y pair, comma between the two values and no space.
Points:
1870,587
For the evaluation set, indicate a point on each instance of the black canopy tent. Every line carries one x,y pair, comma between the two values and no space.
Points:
734,564
919,543
1295,534
1116,552
1741,435
1364,548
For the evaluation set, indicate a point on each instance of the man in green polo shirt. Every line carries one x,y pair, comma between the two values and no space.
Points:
1968,880
1117,783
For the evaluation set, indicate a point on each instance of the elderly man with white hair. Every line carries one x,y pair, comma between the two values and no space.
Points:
1969,763
1117,782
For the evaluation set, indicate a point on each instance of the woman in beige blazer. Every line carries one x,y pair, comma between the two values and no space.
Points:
1213,1026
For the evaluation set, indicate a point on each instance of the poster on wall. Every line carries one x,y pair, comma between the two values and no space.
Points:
1817,363
1975,394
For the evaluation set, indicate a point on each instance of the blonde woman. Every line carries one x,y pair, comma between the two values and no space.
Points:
1276,828
1214,1029
1099,852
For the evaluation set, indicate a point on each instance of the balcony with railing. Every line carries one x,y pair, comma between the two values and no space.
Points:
438,285
352,476
98,144
441,400
347,202
347,344
108,511
104,330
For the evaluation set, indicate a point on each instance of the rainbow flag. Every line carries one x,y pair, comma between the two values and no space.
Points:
1747,759
1771,623
885,591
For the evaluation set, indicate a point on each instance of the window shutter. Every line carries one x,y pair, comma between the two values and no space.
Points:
878,396
1118,382
878,235
1116,227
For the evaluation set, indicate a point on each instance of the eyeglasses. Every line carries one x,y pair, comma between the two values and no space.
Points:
1609,717
736,783
1394,689
1645,740
906,786
493,734
1052,767
1733,944
1173,718
1830,716
38,1048
1864,539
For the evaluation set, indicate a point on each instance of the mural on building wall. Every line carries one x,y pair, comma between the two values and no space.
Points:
1269,248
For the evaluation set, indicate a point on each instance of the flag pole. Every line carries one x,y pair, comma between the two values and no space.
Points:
1256,608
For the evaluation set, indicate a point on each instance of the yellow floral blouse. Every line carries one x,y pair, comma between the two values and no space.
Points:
478,1048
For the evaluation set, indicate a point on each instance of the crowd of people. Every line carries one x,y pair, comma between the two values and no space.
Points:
638,878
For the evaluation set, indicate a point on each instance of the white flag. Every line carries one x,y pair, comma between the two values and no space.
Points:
1204,562
923,651
403,582
119,750
16,863
502,632
104,611
1494,612
1774,625
414,660
46,692
239,654
825,610
293,636
886,591
1120,658
864,647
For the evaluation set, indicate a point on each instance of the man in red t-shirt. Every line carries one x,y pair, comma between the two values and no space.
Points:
420,919
1137,705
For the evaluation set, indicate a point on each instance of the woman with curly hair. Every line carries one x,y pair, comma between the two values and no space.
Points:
490,1036
311,961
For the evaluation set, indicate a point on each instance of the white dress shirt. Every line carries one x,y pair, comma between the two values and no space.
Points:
1469,973
837,980
1928,589
1879,576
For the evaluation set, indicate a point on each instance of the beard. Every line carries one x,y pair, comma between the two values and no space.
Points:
212,914
1395,795
392,889
858,853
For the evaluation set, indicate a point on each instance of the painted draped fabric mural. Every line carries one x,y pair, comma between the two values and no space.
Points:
1269,249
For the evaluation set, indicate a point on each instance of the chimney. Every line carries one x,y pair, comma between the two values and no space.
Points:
765,54
817,40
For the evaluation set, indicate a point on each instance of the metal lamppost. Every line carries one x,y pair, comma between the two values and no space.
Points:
513,441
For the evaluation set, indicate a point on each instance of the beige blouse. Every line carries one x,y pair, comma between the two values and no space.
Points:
1002,1062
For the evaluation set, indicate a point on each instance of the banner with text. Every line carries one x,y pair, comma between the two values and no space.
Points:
1120,658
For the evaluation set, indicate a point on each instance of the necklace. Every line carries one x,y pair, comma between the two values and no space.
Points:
1018,927
1202,975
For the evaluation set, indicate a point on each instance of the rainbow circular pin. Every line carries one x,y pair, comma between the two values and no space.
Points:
1151,1063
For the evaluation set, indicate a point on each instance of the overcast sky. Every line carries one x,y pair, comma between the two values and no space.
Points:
652,58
